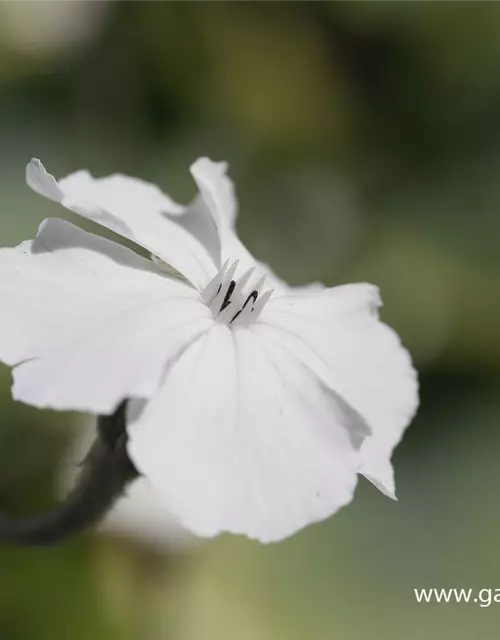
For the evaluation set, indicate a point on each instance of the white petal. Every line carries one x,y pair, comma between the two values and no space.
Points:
212,219
217,190
185,238
212,213
338,334
242,438
217,196
89,321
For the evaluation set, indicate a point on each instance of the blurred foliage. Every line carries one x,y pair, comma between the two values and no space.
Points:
364,140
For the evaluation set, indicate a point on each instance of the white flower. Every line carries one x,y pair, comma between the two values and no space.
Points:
252,406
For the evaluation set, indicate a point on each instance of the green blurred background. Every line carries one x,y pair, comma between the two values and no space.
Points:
364,139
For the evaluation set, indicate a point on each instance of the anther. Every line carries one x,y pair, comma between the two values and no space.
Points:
253,296
227,297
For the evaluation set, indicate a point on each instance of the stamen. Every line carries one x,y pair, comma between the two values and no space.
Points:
215,284
241,284
232,270
218,300
261,303
253,296
260,284
227,298
235,316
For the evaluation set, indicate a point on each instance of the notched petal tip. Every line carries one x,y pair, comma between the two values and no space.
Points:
217,190
204,165
371,295
42,182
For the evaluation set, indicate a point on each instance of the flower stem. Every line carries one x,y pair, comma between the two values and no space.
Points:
105,473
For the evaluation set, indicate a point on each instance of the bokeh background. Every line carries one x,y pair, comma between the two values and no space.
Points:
364,139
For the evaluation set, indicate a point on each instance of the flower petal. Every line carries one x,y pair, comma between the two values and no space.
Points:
241,438
185,238
89,322
217,202
216,190
338,334
195,240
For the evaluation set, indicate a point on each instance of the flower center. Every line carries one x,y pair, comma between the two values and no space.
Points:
231,301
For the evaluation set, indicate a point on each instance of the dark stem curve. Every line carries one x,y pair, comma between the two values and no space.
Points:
105,473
